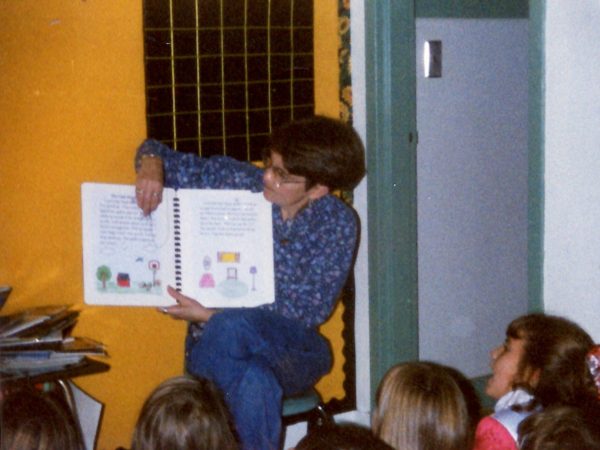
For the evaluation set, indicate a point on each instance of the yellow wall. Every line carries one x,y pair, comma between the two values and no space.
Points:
72,110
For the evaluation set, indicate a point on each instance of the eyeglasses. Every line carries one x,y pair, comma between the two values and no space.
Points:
280,176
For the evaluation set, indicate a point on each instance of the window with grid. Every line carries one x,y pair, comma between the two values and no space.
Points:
221,74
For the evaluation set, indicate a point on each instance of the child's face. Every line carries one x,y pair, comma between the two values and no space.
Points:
505,367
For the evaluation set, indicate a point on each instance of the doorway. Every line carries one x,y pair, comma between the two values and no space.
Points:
472,169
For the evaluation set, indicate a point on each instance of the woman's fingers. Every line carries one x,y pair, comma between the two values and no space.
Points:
149,184
148,195
186,308
179,297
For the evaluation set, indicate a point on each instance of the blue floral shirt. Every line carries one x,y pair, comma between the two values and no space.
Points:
313,251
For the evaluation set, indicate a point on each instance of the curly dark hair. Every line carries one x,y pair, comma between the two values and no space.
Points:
557,347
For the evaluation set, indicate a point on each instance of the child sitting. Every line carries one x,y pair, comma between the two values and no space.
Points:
344,436
420,405
562,427
184,413
541,363
32,420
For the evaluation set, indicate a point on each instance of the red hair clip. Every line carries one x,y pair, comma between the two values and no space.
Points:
593,360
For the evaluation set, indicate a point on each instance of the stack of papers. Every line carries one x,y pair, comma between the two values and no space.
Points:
38,321
37,340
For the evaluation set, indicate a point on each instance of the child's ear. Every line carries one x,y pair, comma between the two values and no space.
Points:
317,191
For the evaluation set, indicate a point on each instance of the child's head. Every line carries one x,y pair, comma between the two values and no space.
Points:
420,406
546,355
31,420
470,395
342,437
184,413
562,427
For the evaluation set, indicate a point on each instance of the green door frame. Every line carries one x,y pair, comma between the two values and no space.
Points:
391,157
535,199
391,193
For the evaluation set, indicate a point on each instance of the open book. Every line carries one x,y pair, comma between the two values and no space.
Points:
215,246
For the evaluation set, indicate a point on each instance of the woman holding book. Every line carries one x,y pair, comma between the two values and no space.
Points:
258,355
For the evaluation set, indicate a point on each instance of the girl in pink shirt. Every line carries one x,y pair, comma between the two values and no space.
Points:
541,363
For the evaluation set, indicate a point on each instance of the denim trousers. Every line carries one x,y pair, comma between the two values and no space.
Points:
256,357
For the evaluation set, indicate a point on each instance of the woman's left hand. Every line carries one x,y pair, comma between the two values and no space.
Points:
186,308
149,183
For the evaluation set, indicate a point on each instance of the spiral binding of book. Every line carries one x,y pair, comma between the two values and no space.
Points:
177,239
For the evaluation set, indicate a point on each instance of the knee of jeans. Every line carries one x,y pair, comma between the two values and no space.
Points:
228,334
259,378
224,320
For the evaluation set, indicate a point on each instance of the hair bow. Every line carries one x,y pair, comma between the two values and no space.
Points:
593,360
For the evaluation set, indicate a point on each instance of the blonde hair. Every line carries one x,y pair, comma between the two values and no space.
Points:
184,413
420,406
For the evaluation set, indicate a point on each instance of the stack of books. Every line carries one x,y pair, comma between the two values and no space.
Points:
38,340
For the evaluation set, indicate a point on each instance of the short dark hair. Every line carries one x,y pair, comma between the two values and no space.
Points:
562,427
323,150
557,347
184,413
345,436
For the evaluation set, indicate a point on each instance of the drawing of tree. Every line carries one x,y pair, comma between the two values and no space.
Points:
103,274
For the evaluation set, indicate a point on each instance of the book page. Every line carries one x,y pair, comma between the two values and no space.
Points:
226,247
127,257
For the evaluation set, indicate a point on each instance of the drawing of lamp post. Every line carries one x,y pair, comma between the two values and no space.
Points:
153,265
253,273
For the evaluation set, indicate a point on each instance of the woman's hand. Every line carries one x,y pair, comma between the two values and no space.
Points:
149,183
186,308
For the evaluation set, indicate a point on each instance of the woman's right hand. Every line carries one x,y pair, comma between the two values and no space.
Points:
149,183
186,308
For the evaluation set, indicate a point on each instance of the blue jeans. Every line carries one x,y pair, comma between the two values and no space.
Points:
256,357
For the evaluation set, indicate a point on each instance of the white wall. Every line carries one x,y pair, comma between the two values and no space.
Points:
363,374
572,162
